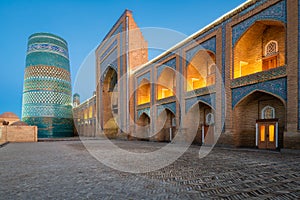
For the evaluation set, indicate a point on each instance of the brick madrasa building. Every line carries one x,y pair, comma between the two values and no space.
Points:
234,82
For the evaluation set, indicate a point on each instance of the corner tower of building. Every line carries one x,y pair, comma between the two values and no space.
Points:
47,97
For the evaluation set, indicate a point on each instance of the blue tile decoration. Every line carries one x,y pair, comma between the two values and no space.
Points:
165,57
171,64
144,76
47,86
201,91
113,45
170,106
110,61
207,45
37,58
47,38
145,110
110,57
209,99
278,87
259,77
275,12
45,47
252,7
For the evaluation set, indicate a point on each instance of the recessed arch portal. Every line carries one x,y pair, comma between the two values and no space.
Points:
143,127
260,48
201,70
206,123
109,101
250,110
167,121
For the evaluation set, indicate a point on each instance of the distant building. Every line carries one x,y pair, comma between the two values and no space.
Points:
14,130
76,100
84,116
8,117
47,86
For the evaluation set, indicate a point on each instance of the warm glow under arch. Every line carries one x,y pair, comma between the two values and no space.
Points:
201,70
143,92
250,51
166,83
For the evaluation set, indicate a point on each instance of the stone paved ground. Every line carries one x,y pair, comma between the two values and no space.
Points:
65,170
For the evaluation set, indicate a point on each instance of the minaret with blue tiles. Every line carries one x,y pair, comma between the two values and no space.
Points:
47,97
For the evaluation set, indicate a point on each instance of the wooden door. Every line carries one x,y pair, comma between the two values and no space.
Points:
270,62
267,136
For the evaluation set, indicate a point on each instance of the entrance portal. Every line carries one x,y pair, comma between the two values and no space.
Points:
259,121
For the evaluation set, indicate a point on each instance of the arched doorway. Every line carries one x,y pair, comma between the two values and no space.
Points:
265,51
143,127
206,125
259,121
167,121
109,104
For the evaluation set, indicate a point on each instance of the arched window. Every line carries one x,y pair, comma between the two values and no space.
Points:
209,120
268,112
271,48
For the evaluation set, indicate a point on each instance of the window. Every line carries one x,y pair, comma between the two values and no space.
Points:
271,48
210,120
268,112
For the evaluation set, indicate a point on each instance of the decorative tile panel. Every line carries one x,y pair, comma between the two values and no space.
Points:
278,87
201,91
110,61
275,12
171,64
252,7
145,110
207,45
37,59
259,77
170,106
113,45
45,47
209,99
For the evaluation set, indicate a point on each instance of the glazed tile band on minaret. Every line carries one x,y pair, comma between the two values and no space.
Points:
47,96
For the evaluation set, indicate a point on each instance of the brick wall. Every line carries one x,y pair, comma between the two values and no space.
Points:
18,133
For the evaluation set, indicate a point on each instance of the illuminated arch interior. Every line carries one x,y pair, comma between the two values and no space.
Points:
166,83
261,48
201,70
143,93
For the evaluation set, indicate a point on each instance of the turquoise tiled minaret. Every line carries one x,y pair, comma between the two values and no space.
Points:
47,101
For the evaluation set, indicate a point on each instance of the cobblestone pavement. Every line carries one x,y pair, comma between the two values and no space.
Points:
65,170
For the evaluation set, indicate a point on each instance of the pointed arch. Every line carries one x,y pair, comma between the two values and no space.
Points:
166,83
200,71
144,92
250,58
